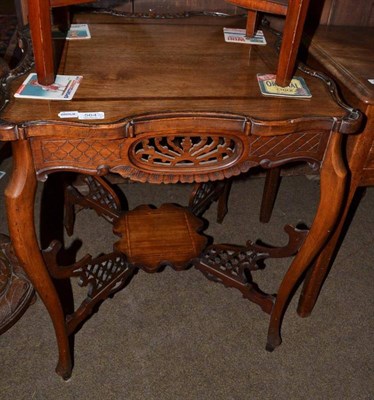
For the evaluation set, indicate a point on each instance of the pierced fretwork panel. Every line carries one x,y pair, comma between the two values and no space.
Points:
101,272
182,151
103,275
232,265
233,261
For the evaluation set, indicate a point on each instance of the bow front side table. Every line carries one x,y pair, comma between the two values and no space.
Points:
180,105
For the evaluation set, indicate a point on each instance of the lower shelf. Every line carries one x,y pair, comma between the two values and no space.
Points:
153,237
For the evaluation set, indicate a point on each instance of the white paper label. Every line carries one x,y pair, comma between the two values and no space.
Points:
234,35
68,114
91,115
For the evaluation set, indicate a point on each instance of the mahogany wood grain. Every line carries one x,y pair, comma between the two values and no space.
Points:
40,21
251,26
292,33
333,174
347,13
145,73
295,12
41,34
149,239
176,110
348,56
269,6
20,196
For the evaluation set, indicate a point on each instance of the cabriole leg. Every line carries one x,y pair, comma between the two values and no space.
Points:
20,198
333,175
317,274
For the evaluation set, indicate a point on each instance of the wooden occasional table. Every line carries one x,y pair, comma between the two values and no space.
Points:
180,105
346,54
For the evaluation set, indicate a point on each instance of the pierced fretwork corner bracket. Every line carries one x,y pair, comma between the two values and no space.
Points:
231,265
204,194
103,275
99,196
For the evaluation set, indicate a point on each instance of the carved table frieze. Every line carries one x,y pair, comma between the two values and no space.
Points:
181,154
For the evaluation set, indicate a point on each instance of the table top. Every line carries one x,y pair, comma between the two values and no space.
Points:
347,54
133,66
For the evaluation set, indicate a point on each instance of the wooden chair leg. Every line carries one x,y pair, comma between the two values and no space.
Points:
293,29
41,35
61,18
20,196
251,23
269,195
333,174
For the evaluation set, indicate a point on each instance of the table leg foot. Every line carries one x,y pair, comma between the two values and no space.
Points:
273,342
64,369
